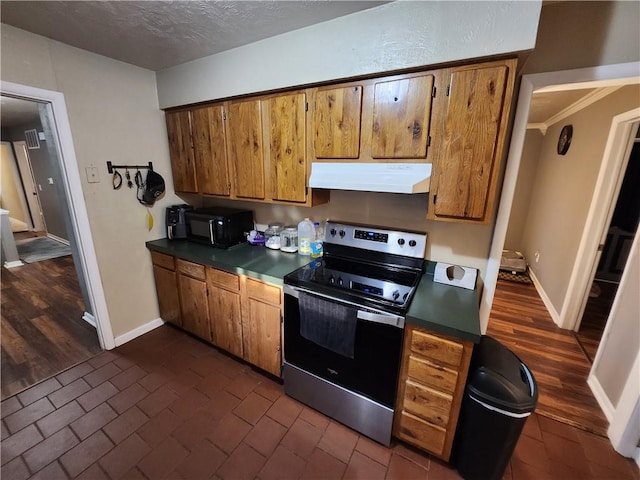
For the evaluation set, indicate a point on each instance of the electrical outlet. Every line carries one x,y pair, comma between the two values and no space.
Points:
92,175
537,256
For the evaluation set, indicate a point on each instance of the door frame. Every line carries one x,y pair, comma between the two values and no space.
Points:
614,163
28,183
601,76
61,129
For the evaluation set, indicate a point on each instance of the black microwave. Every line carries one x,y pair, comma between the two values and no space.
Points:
220,227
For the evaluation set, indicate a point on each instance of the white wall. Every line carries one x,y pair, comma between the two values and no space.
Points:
621,339
466,245
526,180
394,36
578,34
563,189
114,115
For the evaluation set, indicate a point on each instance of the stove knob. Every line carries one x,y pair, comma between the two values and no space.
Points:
340,282
395,295
401,241
332,280
404,297
342,233
333,232
412,243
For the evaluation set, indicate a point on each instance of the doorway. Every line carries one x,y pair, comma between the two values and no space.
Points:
615,252
582,271
44,305
29,186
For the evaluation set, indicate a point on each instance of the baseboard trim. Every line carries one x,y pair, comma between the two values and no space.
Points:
555,316
90,319
136,332
58,239
13,264
601,397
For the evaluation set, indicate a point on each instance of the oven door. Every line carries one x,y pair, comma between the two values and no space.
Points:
377,347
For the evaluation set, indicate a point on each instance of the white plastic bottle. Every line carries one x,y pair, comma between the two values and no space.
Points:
306,235
316,244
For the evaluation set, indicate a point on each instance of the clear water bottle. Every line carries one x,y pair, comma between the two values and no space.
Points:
306,235
316,244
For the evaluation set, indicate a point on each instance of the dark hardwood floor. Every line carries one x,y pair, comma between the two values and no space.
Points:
595,317
520,321
42,328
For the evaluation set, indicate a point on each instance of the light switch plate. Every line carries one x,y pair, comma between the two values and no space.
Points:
92,175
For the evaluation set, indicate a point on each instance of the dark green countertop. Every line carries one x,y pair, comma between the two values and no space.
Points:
254,261
443,309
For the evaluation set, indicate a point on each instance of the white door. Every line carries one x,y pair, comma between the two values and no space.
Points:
31,192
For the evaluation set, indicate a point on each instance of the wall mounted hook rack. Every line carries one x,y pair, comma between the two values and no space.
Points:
111,167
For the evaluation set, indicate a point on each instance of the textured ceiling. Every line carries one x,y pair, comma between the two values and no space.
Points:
161,34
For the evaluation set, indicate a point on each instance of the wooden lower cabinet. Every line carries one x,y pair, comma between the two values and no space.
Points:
432,380
262,318
194,302
167,287
238,314
224,310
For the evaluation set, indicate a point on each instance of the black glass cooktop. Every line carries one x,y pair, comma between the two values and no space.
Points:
387,287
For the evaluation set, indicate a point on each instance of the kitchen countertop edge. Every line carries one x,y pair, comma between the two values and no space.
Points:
443,309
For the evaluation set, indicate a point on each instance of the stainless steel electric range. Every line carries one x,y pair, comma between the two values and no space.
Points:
344,318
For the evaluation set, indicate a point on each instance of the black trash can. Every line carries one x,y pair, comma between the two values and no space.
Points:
500,394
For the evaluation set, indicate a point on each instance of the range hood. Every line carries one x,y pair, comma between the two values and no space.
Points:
372,177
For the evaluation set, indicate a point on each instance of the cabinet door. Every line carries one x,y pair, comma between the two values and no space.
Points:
245,148
211,150
262,347
224,311
337,116
183,165
471,127
287,147
168,296
401,116
195,309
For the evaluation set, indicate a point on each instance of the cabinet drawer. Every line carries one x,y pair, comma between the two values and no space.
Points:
264,292
437,348
421,434
163,260
428,404
190,269
433,375
226,280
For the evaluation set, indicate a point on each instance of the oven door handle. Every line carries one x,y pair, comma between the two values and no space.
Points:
393,320
366,315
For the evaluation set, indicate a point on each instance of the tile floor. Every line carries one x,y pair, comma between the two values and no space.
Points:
168,406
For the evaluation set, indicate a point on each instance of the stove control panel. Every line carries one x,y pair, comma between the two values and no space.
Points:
388,290
410,244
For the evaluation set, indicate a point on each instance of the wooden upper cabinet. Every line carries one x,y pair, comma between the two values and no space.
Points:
401,116
183,165
337,114
210,147
245,144
474,130
287,146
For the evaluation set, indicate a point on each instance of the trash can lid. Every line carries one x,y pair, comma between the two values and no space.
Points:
499,378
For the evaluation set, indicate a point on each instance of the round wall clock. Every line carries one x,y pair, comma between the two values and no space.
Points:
564,141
